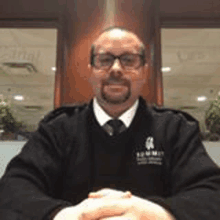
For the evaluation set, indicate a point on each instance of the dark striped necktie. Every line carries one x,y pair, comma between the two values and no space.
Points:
117,126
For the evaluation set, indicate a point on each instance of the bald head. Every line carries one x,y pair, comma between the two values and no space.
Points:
117,33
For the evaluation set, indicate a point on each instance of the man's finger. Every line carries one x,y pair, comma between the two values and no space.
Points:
127,194
104,208
95,195
100,194
118,218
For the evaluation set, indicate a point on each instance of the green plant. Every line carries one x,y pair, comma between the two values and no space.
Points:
214,137
212,117
7,121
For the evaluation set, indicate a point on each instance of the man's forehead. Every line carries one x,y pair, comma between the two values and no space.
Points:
117,47
110,41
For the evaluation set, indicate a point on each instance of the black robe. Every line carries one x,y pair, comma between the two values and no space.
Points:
54,168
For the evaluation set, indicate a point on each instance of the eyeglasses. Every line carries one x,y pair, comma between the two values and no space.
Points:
128,61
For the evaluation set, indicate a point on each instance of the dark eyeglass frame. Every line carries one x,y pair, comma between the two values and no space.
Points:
119,58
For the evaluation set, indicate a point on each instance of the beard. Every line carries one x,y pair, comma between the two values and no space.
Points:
116,99
119,100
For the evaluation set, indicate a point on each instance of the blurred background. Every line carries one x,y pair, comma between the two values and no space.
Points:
190,70
45,47
27,73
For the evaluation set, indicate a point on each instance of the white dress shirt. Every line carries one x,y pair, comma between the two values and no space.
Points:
102,117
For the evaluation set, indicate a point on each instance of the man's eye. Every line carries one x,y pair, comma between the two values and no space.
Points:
128,60
105,61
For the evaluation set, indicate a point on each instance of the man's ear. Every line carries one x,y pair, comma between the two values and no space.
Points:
146,68
90,71
89,66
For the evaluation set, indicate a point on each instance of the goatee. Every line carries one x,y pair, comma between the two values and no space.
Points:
111,100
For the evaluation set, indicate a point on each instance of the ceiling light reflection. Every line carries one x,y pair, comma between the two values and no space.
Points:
19,97
166,69
201,98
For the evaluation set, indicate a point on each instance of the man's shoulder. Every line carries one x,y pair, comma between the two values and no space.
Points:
64,112
171,112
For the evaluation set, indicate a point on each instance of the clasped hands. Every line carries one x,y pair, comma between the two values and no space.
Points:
109,204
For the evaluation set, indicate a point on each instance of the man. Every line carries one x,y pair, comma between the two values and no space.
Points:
81,164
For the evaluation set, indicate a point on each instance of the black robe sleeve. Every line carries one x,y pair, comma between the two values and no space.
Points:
31,184
194,178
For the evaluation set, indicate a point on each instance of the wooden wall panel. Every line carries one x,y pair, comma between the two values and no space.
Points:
80,21
187,8
190,14
27,9
84,22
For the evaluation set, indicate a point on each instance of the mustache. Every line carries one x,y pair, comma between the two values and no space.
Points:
120,81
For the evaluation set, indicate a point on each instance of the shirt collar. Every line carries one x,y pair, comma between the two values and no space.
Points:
102,117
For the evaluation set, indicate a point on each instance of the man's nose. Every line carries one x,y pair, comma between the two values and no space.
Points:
116,65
